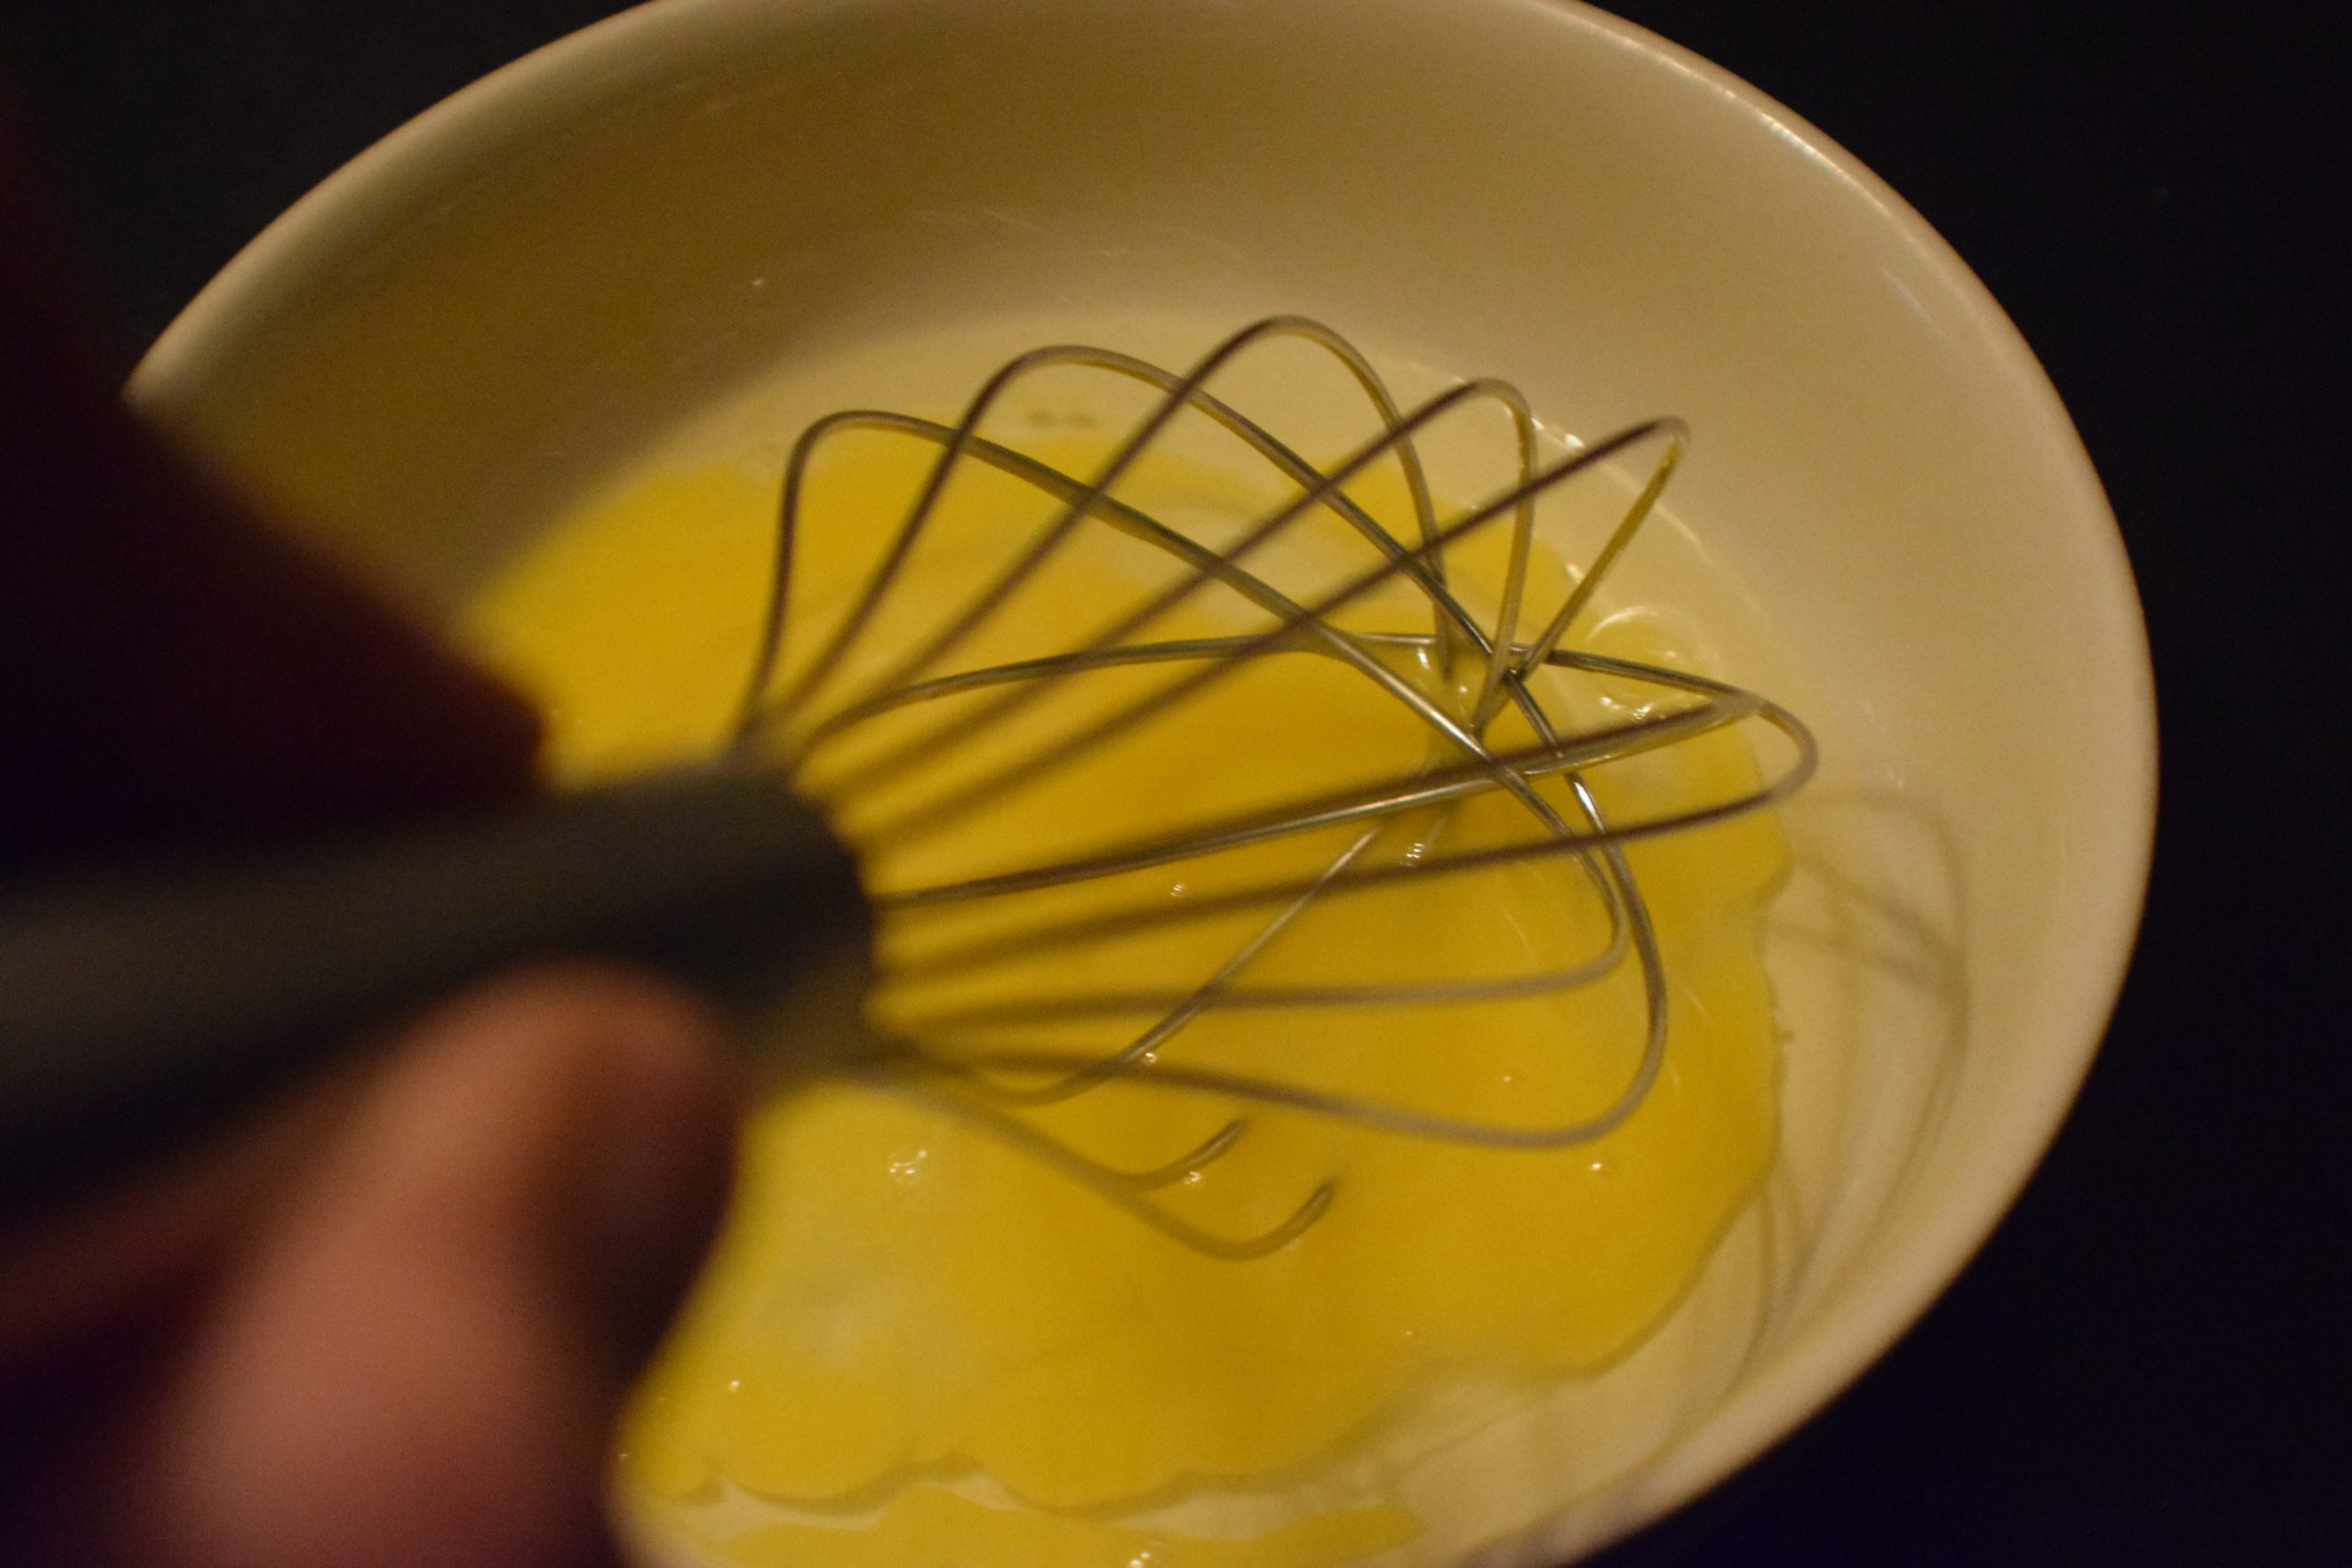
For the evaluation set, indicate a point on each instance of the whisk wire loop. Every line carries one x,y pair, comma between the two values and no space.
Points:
1061,753
1086,498
1182,393
1426,570
1093,928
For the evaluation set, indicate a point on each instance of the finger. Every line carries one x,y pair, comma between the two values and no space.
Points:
419,1363
168,669
95,1299
129,1249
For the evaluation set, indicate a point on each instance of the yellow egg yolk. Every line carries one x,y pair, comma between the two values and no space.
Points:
907,1298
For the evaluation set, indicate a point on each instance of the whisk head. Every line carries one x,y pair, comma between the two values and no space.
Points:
1058,620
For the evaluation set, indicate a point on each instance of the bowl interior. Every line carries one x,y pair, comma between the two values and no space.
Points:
533,284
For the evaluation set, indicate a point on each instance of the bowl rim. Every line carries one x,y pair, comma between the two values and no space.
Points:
1884,1300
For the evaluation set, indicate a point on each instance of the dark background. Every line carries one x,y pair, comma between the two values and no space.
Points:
2148,1364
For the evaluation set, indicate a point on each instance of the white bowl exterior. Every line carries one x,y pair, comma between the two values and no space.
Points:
534,279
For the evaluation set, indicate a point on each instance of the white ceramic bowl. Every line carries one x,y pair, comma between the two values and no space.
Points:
538,279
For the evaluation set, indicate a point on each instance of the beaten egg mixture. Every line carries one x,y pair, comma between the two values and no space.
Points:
921,1344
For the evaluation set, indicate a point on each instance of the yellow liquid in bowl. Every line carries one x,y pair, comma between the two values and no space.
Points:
921,1344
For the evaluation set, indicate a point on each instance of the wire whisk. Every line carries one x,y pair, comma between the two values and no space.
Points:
869,705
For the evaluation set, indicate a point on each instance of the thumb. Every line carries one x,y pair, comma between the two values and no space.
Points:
418,1362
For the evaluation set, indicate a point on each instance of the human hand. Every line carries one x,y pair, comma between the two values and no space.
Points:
388,1324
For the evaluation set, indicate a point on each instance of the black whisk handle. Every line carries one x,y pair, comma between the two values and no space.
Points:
143,1006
